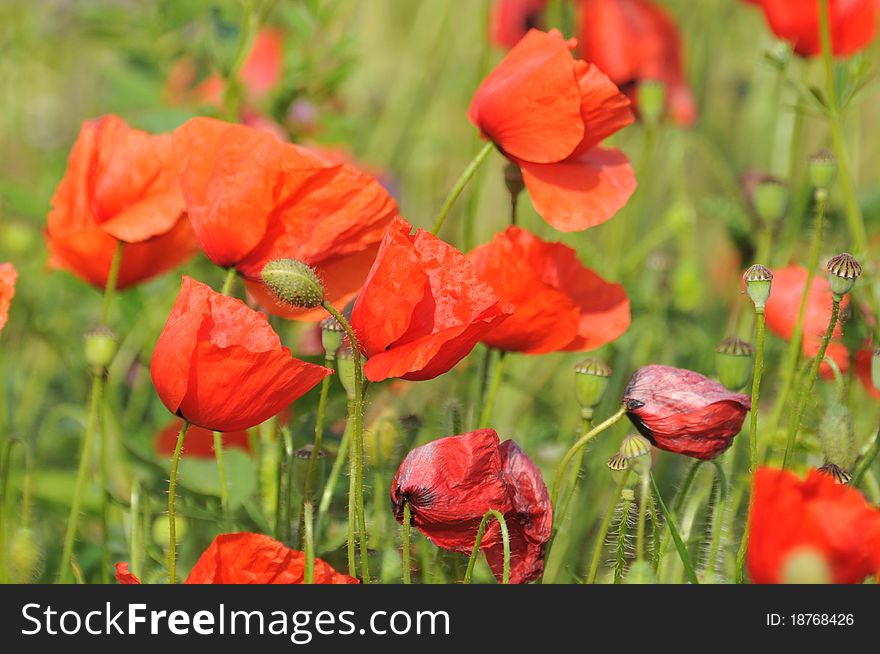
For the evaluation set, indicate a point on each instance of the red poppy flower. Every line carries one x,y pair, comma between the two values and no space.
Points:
817,516
198,442
863,362
246,558
784,305
510,20
8,275
853,24
219,365
422,308
633,41
559,304
252,199
684,412
120,185
452,482
548,112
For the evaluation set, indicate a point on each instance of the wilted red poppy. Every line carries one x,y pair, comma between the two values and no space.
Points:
784,305
120,185
548,112
246,558
219,364
684,412
252,199
559,304
198,442
633,41
422,308
8,275
818,516
510,20
451,483
853,24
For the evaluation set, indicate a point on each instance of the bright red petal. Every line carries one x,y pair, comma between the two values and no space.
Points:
123,576
198,442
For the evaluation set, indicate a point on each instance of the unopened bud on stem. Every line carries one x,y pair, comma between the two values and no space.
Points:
733,360
293,283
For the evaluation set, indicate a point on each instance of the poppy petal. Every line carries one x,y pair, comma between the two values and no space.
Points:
8,275
123,576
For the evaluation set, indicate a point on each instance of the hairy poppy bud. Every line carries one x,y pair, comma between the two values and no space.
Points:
836,435
590,382
770,199
651,100
513,179
805,566
682,411
840,475
843,271
733,361
332,335
758,279
823,169
100,347
345,369
293,283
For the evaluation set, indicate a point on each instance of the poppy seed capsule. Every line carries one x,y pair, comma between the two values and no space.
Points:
733,361
651,101
513,179
100,347
843,271
294,283
590,382
618,462
345,369
840,475
758,279
636,449
332,335
823,169
770,199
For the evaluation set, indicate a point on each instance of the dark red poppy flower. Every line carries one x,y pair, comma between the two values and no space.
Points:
559,304
684,412
247,558
252,199
121,185
510,20
548,112
219,364
853,24
422,308
8,275
198,442
633,41
452,482
818,516
784,305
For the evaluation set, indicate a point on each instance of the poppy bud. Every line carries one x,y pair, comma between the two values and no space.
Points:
836,436
640,572
100,347
293,283
590,382
332,335
25,557
823,169
841,476
843,271
683,411
733,361
382,442
637,452
513,179
770,199
345,369
162,534
758,279
875,369
651,101
806,566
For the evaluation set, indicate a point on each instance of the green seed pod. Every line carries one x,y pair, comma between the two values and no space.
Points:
875,369
618,462
332,335
836,436
823,169
770,199
100,347
758,279
590,382
25,557
345,369
805,566
162,533
733,361
651,98
840,475
513,179
382,442
293,283
843,271
640,572
636,449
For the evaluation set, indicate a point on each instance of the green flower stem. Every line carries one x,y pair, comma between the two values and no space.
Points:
405,546
311,471
867,461
491,513
246,36
586,425
676,536
356,415
6,459
112,280
514,201
678,504
489,404
136,536
221,472
603,529
332,478
807,386
353,534
581,442
718,514
460,183
309,543
644,492
229,281
172,517
104,473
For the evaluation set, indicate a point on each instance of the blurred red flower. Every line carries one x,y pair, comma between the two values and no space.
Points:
853,24
120,185
198,442
559,304
451,483
252,199
784,305
818,516
423,307
510,20
633,41
247,558
548,112
863,359
8,275
219,364
684,412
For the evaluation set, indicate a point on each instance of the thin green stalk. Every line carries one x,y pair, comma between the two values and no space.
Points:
136,536
6,454
229,281
514,201
678,504
489,404
867,461
603,529
676,536
405,546
172,517
335,471
808,385
246,36
491,513
586,425
460,183
224,488
104,473
352,535
643,507
112,280
718,514
309,543
311,471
